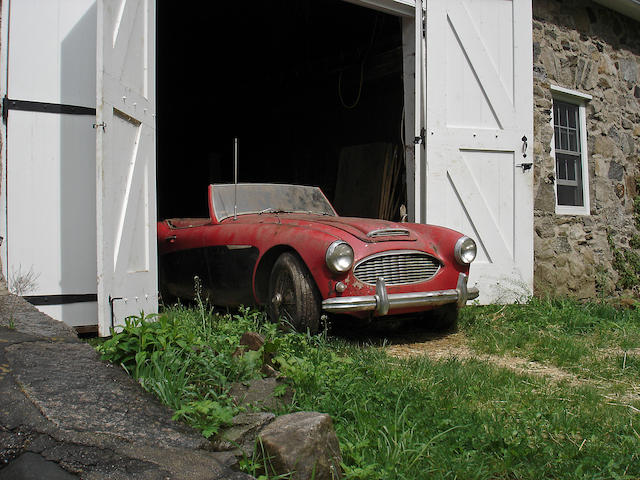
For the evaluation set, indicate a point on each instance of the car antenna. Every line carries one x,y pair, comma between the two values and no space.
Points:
235,178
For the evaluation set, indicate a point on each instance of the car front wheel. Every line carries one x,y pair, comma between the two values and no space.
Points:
293,297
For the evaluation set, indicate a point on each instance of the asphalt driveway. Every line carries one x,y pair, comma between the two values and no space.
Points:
66,414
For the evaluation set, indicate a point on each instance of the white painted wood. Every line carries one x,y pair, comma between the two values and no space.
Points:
419,186
571,94
478,107
4,41
52,48
126,196
51,207
408,79
403,8
82,314
49,192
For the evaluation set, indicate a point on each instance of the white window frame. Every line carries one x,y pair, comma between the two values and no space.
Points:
580,100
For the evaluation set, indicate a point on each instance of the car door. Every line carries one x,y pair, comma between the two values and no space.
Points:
183,269
231,259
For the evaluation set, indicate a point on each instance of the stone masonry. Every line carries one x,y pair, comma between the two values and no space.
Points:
582,46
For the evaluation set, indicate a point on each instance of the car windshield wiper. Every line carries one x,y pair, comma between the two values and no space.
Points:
312,212
271,210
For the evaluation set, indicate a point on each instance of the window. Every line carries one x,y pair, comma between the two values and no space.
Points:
566,133
570,151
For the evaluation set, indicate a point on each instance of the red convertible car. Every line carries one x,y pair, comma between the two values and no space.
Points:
285,246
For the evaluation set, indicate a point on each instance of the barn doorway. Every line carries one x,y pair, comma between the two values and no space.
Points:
313,89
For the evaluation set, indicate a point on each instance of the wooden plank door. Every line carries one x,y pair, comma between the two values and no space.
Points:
48,217
126,161
479,129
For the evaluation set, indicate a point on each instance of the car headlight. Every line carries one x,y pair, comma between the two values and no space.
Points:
465,250
339,256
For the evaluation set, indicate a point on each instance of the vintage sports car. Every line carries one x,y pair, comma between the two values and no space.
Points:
285,246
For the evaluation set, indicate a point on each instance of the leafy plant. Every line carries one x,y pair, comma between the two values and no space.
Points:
416,418
626,261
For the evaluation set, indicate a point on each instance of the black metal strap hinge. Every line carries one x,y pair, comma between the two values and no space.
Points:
63,299
44,107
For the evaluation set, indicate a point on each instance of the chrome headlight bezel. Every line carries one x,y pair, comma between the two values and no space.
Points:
337,253
465,250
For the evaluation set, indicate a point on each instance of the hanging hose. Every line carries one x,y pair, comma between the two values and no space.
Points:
357,100
364,59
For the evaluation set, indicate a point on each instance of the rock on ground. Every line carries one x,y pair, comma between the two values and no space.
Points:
304,443
240,437
64,413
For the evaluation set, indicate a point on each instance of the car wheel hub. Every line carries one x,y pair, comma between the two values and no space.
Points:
277,299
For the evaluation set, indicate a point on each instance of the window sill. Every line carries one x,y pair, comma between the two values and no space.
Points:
571,210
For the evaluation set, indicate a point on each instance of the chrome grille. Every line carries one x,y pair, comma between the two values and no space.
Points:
390,232
397,268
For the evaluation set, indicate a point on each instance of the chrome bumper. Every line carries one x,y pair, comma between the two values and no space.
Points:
382,302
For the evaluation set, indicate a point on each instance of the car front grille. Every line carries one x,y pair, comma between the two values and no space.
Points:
397,268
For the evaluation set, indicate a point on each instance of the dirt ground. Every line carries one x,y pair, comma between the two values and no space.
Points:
411,340
440,347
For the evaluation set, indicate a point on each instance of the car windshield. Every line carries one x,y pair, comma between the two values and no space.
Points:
268,198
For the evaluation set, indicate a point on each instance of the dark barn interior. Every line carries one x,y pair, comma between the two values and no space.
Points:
312,88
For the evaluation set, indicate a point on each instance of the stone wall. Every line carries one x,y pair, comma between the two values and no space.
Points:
580,45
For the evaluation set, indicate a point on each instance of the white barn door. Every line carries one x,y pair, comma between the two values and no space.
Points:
479,127
48,210
126,161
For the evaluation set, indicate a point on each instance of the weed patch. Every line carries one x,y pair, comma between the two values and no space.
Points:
414,418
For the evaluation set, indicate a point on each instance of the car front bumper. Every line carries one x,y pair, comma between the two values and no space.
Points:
382,302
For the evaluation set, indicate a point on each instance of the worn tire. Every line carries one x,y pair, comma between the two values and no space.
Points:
293,297
445,318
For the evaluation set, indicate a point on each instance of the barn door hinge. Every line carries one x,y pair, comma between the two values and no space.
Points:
100,125
5,108
421,139
43,107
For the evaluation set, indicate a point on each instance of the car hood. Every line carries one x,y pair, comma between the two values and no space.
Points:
365,229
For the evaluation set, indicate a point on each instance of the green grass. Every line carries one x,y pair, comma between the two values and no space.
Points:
592,340
415,418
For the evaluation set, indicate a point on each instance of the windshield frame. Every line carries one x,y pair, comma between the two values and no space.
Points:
221,213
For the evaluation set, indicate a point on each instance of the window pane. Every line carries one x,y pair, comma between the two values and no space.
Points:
572,112
564,142
556,136
561,167
571,168
568,195
573,141
561,118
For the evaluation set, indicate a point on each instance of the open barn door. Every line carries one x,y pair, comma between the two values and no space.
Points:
126,163
479,132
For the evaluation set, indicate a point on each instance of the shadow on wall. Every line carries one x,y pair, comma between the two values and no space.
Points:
78,169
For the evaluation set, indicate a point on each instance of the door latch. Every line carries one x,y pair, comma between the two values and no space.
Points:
524,149
525,166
